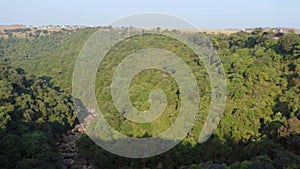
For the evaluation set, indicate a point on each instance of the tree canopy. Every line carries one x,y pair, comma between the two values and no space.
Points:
260,127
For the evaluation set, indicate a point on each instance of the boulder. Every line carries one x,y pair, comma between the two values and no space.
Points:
68,162
69,155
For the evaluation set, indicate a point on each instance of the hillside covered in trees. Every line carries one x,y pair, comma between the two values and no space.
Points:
33,114
260,127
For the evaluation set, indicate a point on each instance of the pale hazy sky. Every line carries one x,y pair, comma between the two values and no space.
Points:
203,14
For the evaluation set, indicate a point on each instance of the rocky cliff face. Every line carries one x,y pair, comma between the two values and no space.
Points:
68,149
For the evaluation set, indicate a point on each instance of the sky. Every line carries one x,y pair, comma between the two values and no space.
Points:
211,14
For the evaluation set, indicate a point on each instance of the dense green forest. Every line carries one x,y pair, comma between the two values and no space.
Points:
33,114
260,127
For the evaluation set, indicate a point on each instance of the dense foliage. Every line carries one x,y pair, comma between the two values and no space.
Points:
260,127
32,114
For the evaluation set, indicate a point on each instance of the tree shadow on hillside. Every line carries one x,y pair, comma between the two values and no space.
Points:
214,152
30,145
